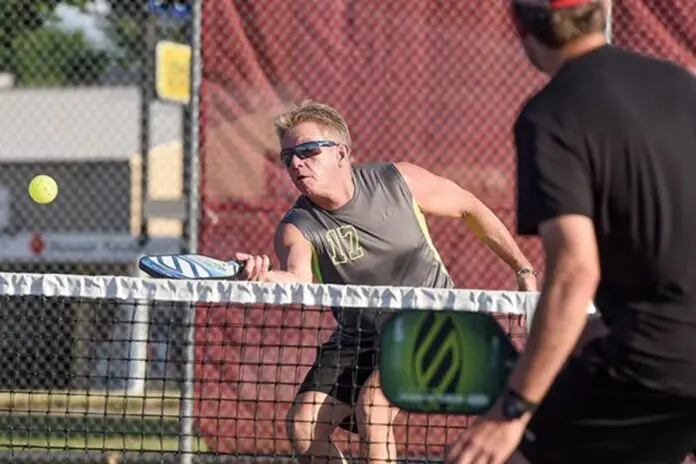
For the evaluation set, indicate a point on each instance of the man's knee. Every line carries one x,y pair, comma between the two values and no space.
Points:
303,428
310,421
373,410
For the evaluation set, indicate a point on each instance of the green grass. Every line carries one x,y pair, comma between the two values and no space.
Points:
98,443
158,403
72,426
91,421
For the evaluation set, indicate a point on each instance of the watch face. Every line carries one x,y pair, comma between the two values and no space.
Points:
512,408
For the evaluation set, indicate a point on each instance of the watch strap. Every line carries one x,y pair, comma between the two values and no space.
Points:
528,406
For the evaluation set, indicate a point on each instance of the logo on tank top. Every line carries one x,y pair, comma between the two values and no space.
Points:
343,245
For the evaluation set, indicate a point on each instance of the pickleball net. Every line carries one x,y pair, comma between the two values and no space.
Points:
132,369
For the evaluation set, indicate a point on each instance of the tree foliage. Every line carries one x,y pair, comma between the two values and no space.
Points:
37,53
51,57
125,26
19,16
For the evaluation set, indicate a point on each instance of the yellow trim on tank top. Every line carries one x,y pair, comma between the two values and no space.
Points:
316,270
426,232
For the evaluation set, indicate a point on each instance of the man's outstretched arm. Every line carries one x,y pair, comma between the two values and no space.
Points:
442,197
294,253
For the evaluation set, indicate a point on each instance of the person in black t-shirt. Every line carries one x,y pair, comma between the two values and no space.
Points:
607,178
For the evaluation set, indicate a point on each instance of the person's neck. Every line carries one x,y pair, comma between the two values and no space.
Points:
575,49
339,196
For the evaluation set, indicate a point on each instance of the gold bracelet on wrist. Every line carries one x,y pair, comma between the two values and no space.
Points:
525,270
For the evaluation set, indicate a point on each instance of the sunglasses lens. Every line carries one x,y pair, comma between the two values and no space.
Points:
302,151
306,152
286,157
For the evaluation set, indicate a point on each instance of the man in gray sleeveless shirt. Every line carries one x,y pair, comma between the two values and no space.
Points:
360,225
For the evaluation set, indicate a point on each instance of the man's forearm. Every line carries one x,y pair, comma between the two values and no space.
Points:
284,277
491,231
559,320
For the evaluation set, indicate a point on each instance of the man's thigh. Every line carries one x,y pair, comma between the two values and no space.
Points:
590,416
340,370
318,411
373,407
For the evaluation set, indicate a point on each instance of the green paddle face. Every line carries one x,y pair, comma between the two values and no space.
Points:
454,362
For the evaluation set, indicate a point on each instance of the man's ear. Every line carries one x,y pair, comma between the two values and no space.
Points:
343,155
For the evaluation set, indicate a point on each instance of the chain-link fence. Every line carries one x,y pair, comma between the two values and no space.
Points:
82,103
435,83
96,94
90,94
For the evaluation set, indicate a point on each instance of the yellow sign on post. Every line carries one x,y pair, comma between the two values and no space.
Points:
173,71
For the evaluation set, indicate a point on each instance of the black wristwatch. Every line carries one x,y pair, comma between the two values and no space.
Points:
514,406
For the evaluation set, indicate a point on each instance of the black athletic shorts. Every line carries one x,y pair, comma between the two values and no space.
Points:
591,416
340,370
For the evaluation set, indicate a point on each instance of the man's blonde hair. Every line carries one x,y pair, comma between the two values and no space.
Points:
318,113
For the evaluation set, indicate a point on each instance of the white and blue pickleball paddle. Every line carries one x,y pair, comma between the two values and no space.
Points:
189,267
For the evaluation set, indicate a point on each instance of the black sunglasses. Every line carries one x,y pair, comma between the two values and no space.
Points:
304,150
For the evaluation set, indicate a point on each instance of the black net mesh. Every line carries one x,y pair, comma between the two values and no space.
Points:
98,368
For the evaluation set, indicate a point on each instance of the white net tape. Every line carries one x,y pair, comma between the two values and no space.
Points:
228,292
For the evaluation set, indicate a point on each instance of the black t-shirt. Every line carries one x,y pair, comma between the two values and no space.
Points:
613,137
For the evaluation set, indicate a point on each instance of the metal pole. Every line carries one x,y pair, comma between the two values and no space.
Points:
191,191
140,313
192,135
186,405
146,97
138,321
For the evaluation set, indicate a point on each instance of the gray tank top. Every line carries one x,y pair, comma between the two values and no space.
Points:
379,237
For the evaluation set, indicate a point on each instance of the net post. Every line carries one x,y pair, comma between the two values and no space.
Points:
186,404
137,350
191,193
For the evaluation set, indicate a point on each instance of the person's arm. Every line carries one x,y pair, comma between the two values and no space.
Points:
572,275
442,197
555,201
294,253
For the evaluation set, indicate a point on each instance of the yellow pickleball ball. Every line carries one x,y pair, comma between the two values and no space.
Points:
43,189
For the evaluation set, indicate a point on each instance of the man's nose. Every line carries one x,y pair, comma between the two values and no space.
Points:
296,162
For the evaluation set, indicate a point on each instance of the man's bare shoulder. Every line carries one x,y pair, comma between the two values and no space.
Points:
298,222
287,231
298,210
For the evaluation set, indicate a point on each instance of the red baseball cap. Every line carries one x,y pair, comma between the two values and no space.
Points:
554,4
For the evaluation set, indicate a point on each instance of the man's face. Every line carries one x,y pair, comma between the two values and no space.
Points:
533,50
317,173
